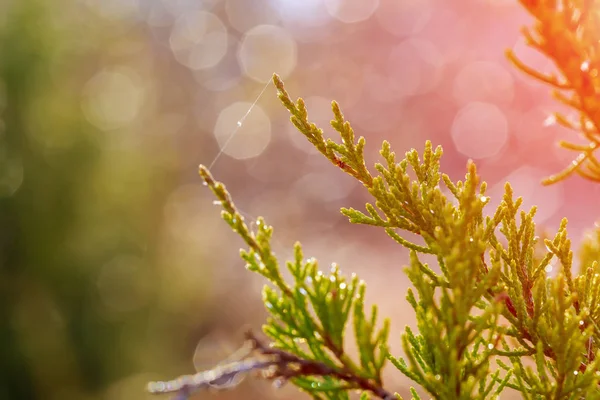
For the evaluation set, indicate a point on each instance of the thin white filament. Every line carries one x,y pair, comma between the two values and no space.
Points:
238,125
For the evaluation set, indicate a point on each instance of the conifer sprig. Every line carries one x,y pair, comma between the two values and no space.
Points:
309,316
486,263
567,33
489,299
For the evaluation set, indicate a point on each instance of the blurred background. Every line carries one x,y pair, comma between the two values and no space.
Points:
115,267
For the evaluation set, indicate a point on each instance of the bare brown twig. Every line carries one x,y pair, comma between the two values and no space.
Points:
272,364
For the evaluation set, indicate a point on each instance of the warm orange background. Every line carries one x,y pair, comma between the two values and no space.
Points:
116,268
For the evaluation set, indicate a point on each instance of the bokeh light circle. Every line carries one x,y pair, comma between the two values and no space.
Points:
242,16
302,13
351,11
266,49
112,98
479,130
415,67
198,40
242,139
404,18
224,76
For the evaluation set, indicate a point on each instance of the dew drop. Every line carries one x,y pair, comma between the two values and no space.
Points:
332,278
438,377
217,203
303,291
471,239
548,268
342,286
484,199
204,183
490,346
578,160
575,372
268,305
551,120
585,66
581,322
239,123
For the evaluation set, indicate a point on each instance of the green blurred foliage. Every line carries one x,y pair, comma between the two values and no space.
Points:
79,214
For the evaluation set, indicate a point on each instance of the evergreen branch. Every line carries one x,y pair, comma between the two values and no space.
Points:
568,36
492,269
314,311
348,157
448,348
260,258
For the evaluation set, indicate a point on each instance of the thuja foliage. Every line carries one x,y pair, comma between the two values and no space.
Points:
567,33
489,316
